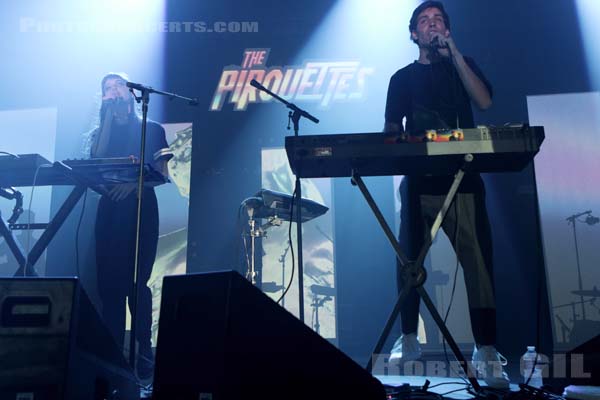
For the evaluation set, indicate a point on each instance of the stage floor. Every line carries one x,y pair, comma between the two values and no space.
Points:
446,385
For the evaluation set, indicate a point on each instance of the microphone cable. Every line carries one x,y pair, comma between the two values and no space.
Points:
77,269
28,240
289,285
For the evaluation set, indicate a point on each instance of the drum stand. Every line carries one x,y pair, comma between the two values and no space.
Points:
255,232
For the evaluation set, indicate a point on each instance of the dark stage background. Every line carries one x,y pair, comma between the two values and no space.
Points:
524,48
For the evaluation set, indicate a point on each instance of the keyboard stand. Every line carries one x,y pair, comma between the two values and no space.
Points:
82,175
42,243
414,274
27,262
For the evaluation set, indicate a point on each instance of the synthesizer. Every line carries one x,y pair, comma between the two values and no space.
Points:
30,169
494,149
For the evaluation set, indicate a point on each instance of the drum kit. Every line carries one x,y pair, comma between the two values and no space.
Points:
274,208
582,328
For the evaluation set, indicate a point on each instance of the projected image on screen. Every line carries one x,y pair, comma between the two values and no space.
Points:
568,182
317,243
173,201
27,132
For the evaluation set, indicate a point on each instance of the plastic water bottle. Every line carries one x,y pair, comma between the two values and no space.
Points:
527,362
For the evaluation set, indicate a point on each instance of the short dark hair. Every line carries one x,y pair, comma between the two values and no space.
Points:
412,26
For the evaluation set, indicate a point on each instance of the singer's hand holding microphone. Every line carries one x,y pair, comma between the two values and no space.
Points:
444,45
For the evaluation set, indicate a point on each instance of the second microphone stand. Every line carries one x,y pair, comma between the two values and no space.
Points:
591,220
294,115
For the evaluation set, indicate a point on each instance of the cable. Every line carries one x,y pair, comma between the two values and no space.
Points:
291,247
456,230
446,70
447,383
411,393
454,391
27,247
77,234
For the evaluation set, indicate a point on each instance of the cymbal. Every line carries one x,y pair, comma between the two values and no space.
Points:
592,293
270,203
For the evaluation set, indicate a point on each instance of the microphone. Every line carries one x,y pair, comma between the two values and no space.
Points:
435,44
591,220
137,86
572,217
114,108
107,104
256,84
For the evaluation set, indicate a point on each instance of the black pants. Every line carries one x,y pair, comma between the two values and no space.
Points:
467,226
115,259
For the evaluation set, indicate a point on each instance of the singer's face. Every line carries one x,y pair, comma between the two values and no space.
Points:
429,22
115,88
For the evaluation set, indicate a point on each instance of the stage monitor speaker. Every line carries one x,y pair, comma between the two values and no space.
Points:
54,346
221,338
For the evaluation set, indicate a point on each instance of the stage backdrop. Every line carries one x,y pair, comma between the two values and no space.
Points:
27,131
173,201
568,181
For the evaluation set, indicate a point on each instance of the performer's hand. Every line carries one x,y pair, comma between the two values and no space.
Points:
447,47
122,190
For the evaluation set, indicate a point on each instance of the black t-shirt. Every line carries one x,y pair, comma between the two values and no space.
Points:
432,96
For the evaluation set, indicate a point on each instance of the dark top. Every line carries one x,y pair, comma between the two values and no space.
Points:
125,140
432,96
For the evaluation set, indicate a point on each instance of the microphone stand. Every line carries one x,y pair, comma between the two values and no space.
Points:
294,115
572,220
144,98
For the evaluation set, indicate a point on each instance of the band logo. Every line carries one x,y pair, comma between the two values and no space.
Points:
315,81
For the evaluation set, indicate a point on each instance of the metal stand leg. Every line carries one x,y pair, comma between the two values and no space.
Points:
46,237
14,246
415,274
251,272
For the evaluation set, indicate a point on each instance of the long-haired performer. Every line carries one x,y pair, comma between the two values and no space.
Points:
118,135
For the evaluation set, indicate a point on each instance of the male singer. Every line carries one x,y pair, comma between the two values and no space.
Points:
436,91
